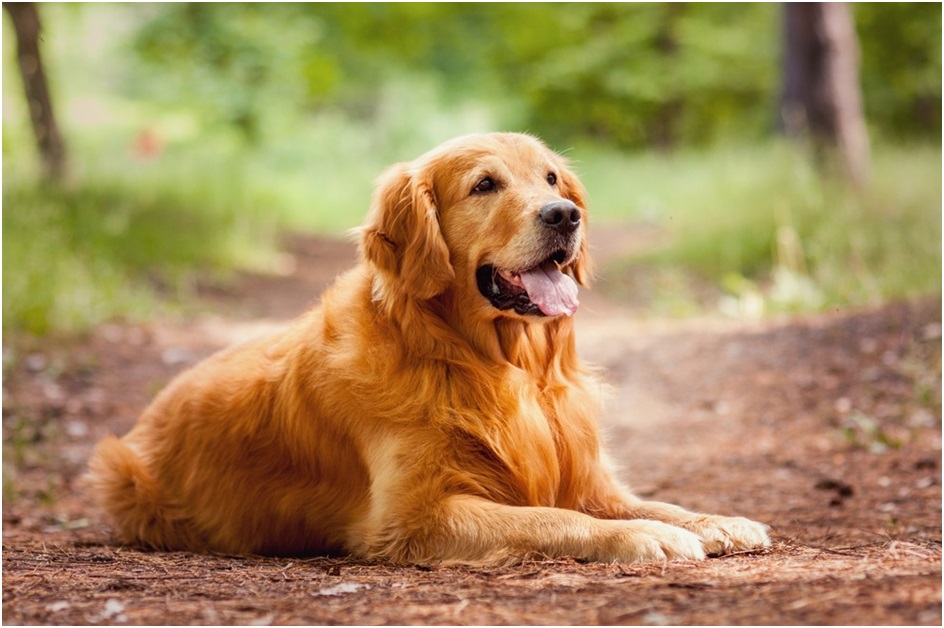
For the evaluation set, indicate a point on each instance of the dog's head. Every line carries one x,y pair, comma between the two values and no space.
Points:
498,219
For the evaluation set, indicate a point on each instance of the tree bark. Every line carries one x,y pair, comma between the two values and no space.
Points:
821,94
48,140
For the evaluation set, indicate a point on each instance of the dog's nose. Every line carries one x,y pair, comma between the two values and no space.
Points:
563,216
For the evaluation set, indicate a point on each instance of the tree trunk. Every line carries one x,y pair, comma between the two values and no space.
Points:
821,95
668,114
26,24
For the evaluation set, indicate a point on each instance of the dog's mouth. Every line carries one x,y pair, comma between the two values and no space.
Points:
542,290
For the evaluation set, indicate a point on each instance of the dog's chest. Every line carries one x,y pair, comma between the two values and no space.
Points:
533,455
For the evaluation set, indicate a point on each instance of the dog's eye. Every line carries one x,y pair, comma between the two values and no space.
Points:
485,185
552,178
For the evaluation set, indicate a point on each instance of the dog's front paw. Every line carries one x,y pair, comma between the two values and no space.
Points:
642,540
724,535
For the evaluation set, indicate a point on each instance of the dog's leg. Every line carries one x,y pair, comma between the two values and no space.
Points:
467,529
721,535
608,499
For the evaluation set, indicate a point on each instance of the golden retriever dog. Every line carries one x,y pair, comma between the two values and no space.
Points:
431,409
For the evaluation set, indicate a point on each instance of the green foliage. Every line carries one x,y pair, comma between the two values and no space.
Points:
645,74
901,67
232,63
637,74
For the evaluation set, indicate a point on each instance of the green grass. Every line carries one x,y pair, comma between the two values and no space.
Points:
82,252
775,232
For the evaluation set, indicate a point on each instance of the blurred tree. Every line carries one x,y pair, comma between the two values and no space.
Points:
27,27
221,60
641,73
637,74
821,93
901,67
633,74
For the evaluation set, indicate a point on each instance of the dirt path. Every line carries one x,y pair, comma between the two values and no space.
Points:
827,427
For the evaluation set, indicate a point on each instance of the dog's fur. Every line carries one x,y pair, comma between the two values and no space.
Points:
406,418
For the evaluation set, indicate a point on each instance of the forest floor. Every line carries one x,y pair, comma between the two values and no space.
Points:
826,427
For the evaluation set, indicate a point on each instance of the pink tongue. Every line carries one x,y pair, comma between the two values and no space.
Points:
551,290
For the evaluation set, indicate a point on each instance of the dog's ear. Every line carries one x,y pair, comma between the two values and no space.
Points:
401,236
572,189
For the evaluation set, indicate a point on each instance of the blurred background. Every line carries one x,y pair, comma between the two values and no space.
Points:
776,158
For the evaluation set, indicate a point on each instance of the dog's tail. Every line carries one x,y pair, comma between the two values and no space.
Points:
127,491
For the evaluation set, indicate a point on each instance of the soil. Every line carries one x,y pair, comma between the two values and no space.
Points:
827,427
